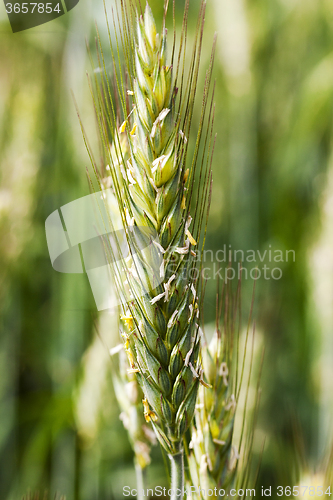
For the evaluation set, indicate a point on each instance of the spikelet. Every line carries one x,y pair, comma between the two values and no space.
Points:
154,188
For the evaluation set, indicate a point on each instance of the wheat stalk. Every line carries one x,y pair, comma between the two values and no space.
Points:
147,167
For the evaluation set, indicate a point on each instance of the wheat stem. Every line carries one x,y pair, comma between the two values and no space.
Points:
177,475
140,481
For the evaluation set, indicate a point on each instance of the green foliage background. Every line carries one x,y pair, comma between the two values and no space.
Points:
273,185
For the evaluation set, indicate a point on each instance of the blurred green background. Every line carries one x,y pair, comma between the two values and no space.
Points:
272,189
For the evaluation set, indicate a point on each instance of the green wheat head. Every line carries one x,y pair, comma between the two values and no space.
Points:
144,131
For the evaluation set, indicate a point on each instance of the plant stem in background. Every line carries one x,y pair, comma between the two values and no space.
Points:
140,480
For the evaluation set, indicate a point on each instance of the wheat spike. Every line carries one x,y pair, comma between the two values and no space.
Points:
152,185
213,458
213,455
164,320
148,127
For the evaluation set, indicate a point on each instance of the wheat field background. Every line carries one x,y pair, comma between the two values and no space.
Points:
272,189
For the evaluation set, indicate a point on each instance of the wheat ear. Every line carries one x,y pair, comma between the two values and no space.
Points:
162,322
154,191
213,457
163,345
